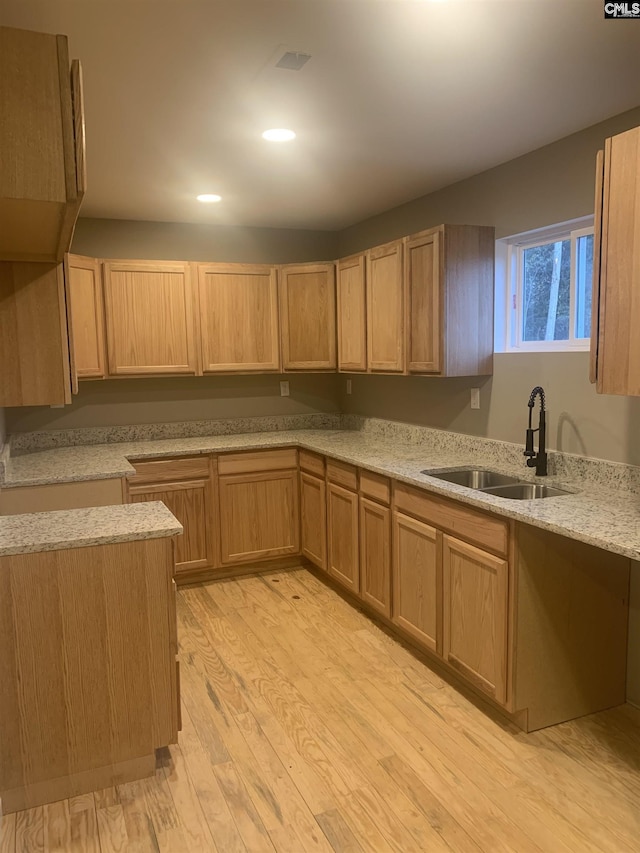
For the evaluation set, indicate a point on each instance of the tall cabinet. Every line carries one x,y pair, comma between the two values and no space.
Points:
615,343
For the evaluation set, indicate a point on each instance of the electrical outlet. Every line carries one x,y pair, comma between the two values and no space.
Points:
349,387
284,388
475,398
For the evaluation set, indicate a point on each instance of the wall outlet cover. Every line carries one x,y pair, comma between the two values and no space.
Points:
475,398
284,388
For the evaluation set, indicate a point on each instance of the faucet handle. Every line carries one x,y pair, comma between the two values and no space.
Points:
528,449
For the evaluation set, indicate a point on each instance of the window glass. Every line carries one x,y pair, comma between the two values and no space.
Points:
546,291
584,272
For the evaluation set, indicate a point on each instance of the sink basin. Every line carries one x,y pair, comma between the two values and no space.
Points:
526,491
472,478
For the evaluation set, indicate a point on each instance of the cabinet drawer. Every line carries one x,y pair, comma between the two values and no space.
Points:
469,524
342,474
375,486
259,460
312,463
165,470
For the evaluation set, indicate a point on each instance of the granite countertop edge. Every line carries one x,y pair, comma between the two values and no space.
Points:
31,533
603,518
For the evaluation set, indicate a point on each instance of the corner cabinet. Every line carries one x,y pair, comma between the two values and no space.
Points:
615,343
308,317
352,314
238,310
42,180
186,486
149,318
385,308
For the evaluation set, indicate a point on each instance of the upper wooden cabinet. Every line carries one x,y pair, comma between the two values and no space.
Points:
615,343
385,309
449,276
86,307
42,180
238,317
308,317
352,314
149,314
34,349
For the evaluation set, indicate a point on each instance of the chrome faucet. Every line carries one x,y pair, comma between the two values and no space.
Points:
537,460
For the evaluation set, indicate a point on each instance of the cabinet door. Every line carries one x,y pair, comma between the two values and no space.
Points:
352,323
87,316
34,343
342,530
191,503
422,275
476,615
259,516
238,317
618,369
597,263
308,317
385,308
375,555
417,581
149,312
313,519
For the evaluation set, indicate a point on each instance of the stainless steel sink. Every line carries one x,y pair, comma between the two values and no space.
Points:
494,483
526,491
472,478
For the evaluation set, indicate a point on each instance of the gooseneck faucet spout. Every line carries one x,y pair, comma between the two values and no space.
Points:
537,460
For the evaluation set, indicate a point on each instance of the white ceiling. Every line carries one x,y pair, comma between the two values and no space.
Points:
401,97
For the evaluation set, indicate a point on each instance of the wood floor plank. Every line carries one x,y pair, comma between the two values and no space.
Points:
338,833
193,823
138,823
57,826
250,826
112,829
8,833
30,837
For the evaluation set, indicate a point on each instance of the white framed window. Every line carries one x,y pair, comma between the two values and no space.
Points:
543,285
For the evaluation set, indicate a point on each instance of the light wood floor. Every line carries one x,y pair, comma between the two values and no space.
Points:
306,728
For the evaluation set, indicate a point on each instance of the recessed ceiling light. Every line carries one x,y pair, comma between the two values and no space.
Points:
279,134
209,198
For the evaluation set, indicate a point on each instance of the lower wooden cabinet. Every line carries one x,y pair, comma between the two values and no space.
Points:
313,519
342,536
417,581
185,485
375,555
192,504
259,516
475,618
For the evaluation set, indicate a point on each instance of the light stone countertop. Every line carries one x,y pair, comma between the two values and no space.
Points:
600,514
81,528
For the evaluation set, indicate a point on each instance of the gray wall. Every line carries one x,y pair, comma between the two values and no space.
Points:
172,241
116,402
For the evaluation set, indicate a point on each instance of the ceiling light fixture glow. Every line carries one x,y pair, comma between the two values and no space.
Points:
208,198
279,134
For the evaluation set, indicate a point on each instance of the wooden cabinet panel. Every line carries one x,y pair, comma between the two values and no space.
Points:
41,184
149,314
385,308
342,474
253,461
375,555
475,619
308,317
342,535
259,516
375,486
313,463
417,581
86,305
352,314
483,529
618,346
171,469
423,283
313,519
238,317
191,503
597,265
34,349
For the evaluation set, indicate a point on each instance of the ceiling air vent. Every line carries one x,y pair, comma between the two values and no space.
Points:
293,60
